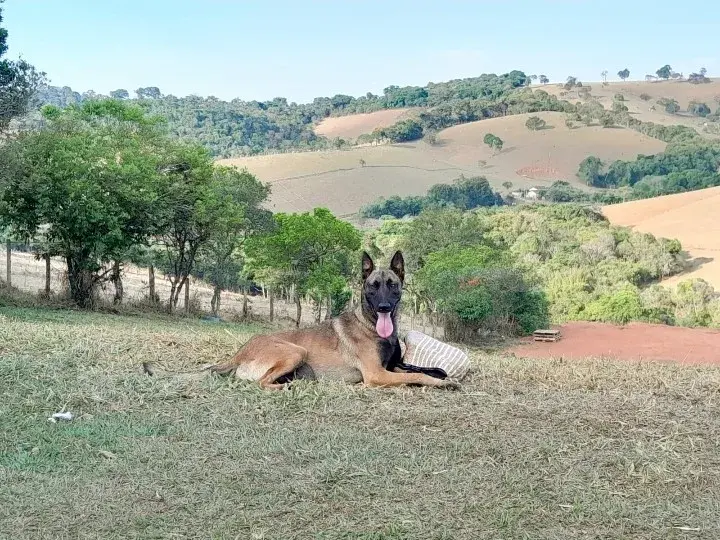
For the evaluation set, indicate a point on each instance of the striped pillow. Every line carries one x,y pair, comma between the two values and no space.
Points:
424,351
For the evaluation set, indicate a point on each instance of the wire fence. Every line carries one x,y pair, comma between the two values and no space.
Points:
24,270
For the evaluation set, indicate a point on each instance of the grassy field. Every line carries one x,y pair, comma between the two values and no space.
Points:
528,449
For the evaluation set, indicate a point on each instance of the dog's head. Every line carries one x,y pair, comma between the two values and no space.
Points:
382,289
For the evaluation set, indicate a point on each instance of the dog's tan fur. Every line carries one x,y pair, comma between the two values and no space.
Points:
346,348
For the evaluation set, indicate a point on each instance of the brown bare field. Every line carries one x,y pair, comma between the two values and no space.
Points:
351,127
336,179
634,342
690,217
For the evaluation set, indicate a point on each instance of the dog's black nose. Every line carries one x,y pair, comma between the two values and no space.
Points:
384,308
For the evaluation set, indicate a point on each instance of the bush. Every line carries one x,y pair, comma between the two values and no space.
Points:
619,307
535,123
477,287
698,109
619,97
645,97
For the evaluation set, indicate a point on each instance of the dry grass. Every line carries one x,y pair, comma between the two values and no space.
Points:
528,449
351,127
683,92
336,180
689,217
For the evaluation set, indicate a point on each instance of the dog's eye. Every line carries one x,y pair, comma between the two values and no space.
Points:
376,284
392,284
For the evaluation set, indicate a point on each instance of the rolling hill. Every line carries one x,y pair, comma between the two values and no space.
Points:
682,91
339,181
690,217
351,127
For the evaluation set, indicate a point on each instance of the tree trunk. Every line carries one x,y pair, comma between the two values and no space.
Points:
47,275
328,313
8,280
215,302
82,285
117,283
187,295
151,284
298,306
271,296
245,305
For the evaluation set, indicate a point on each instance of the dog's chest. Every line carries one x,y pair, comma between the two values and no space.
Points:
389,352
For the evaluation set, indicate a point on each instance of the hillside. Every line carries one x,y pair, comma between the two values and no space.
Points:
351,127
682,91
336,179
689,217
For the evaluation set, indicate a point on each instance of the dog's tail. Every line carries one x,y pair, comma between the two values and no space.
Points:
151,370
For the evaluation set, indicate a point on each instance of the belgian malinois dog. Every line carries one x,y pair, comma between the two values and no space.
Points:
361,345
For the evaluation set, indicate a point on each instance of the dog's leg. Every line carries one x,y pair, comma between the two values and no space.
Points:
379,377
289,358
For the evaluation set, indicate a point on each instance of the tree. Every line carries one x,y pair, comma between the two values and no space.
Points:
671,106
151,92
494,142
535,123
308,251
698,109
191,207
507,185
619,107
120,93
590,171
237,197
664,72
543,79
604,75
90,178
18,84
624,74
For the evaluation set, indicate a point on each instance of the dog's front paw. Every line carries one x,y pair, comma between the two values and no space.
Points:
450,385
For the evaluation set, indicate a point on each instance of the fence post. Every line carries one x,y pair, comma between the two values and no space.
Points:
9,263
187,295
47,274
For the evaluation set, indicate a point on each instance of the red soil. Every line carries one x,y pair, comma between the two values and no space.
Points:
636,341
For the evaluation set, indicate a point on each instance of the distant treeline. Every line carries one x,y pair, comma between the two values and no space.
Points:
463,194
240,127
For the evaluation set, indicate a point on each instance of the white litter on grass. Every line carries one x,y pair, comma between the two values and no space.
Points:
66,416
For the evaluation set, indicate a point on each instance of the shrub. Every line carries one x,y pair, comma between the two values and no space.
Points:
645,97
535,123
619,307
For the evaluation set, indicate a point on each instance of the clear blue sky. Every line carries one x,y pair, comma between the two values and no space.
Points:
302,49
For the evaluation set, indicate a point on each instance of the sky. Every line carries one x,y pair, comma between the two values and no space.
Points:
303,49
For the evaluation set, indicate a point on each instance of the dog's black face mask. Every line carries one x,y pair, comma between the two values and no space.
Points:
382,290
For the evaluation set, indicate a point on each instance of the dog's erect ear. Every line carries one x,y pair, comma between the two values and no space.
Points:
367,265
397,265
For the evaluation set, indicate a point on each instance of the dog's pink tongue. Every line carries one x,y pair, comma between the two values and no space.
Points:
384,325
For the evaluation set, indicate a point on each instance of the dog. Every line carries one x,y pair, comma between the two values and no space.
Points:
359,346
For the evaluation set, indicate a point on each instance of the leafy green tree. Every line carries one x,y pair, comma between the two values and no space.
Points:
671,106
151,92
535,123
624,74
237,197
494,142
19,82
590,171
308,251
698,108
664,72
543,79
120,93
619,107
507,185
91,179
